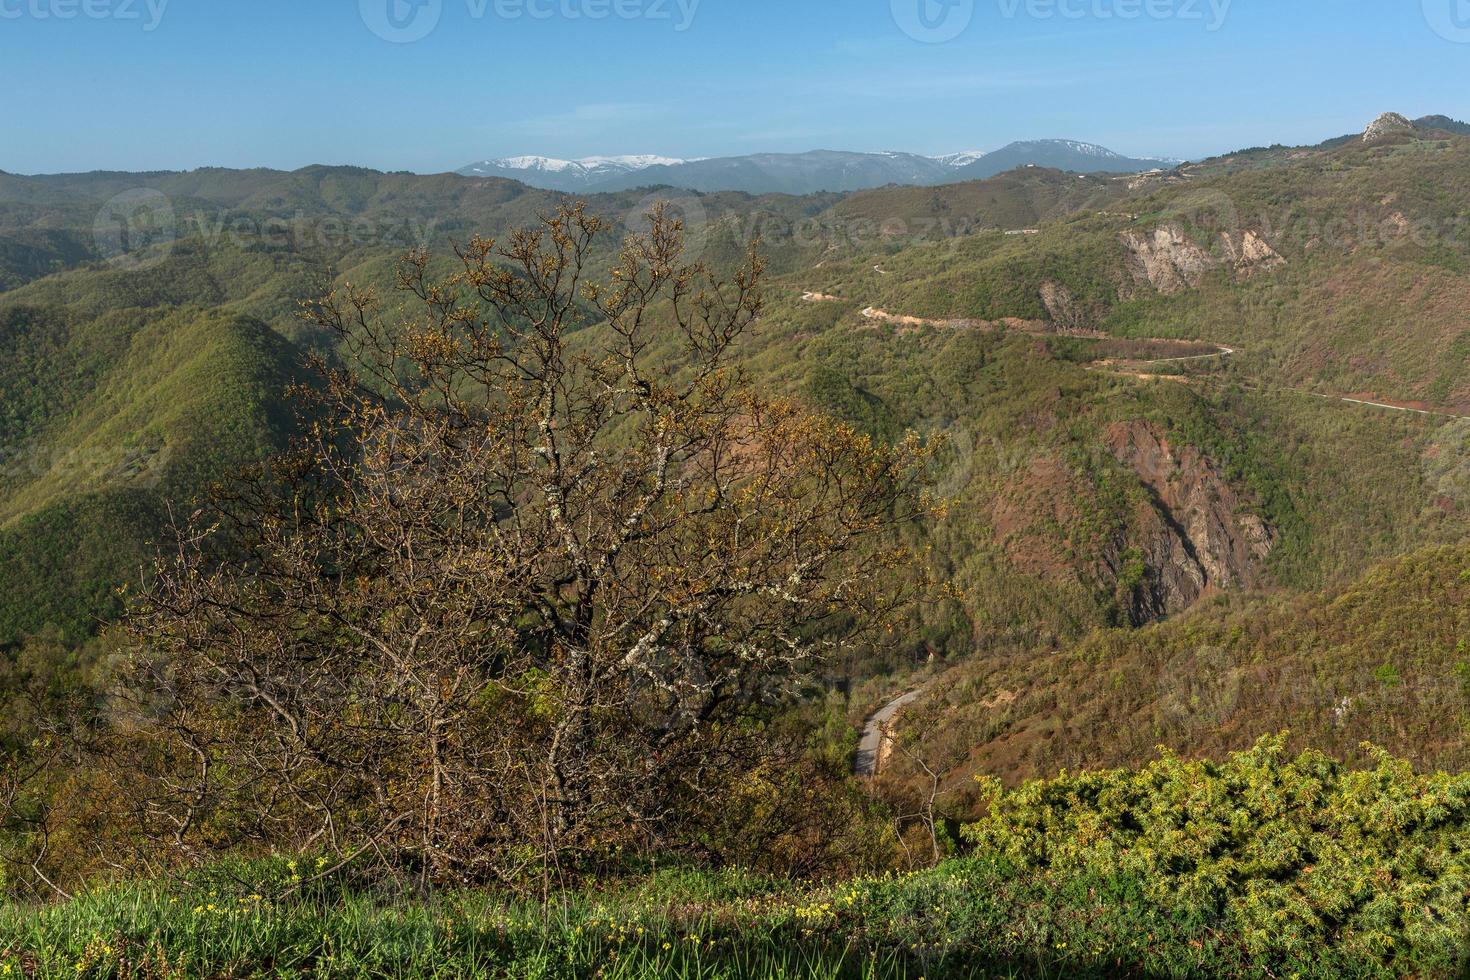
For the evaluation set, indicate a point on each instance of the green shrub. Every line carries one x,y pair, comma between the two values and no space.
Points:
1305,860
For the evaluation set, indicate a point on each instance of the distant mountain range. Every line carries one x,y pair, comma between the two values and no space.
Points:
806,173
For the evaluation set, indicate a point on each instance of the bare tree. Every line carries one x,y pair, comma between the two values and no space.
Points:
911,785
524,596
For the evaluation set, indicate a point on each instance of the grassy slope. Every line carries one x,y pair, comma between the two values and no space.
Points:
1383,660
140,410
1016,200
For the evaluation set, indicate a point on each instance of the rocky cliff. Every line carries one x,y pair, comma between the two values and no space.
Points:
1181,533
1171,262
1190,535
1388,124
1065,314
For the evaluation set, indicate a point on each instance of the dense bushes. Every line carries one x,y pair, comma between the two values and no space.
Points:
1300,858
107,425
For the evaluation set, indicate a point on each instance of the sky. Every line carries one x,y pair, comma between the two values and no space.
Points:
432,85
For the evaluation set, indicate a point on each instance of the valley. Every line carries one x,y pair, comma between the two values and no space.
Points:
1056,320
1171,458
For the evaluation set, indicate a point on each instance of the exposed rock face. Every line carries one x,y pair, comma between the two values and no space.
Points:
1388,124
1193,534
1066,314
1185,534
1170,261
1167,259
1250,252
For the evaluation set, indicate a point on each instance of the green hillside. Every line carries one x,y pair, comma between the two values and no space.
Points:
113,421
1094,480
136,366
1361,290
1383,660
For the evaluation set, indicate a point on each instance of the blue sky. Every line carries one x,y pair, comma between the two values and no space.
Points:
169,84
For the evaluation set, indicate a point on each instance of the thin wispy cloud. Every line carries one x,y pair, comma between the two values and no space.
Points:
584,118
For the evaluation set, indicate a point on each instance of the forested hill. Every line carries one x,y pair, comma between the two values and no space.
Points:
1118,361
1197,453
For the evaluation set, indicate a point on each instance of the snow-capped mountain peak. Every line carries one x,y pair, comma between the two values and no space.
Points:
543,164
960,159
635,162
552,165
966,157
1090,149
802,173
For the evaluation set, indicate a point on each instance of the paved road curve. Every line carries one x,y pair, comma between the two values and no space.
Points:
875,733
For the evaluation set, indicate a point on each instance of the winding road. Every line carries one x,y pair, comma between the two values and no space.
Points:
869,761
1222,351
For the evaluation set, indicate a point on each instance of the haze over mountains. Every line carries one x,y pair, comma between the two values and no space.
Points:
1206,454
806,173
1106,262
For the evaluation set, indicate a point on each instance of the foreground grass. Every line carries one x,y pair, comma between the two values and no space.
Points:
1263,864
966,919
